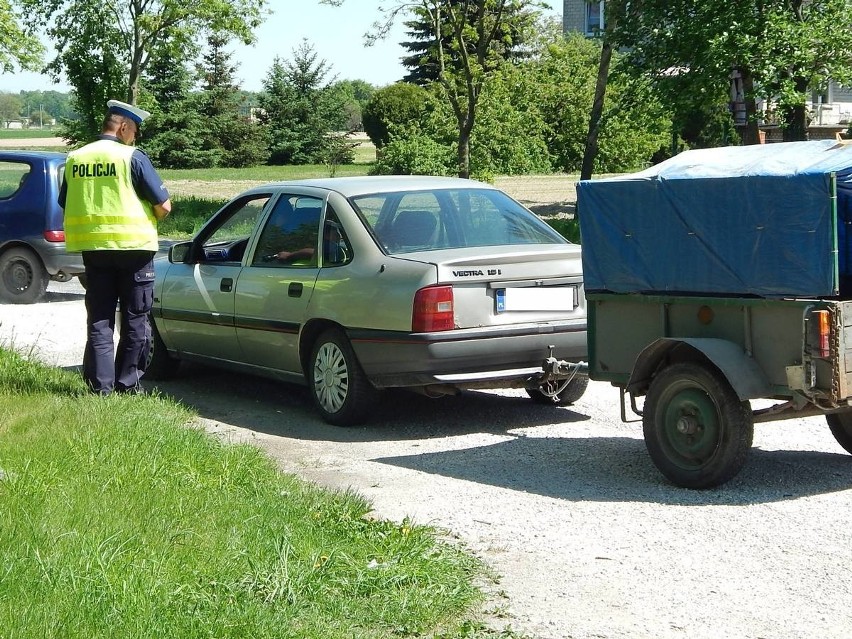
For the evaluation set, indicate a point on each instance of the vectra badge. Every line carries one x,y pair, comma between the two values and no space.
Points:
490,271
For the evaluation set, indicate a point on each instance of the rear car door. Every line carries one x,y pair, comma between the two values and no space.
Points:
277,284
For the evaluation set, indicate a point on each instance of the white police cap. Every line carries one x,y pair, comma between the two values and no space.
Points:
128,110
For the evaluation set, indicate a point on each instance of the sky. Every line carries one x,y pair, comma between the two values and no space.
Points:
335,32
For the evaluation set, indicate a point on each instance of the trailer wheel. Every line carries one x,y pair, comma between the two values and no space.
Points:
840,425
697,431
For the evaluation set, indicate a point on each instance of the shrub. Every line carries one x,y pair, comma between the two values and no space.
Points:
399,104
416,154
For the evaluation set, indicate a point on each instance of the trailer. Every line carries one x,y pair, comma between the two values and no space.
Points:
719,278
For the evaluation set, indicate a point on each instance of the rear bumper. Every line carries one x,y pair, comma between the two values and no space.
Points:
467,358
56,260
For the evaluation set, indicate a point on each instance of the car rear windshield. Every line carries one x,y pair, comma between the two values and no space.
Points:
409,221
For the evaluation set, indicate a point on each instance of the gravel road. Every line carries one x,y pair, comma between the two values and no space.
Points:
564,504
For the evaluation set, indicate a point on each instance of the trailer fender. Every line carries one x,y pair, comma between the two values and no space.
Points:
743,374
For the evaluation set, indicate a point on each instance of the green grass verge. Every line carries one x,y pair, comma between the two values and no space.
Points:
120,520
188,216
20,134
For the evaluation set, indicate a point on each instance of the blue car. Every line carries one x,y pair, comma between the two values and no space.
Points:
32,238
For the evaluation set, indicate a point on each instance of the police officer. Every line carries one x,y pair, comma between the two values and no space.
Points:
112,198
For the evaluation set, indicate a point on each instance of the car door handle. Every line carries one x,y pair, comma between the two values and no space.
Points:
226,285
295,289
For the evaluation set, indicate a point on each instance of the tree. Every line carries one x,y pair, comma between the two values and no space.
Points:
561,83
133,28
781,48
175,130
804,44
474,25
301,110
17,47
91,64
39,118
472,39
400,103
10,108
227,136
54,103
355,94
421,61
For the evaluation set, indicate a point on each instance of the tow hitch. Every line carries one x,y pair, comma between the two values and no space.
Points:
558,373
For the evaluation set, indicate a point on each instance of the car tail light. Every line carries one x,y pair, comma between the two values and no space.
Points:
824,332
433,310
54,236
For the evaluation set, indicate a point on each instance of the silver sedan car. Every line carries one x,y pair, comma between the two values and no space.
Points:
351,285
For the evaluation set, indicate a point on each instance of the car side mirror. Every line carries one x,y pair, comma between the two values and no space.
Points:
179,252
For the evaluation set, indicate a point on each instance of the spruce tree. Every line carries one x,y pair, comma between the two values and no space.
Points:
227,132
513,32
301,110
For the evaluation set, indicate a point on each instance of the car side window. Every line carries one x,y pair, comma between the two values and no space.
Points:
12,177
290,236
227,240
336,249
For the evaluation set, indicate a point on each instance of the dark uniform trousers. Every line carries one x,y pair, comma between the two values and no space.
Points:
126,279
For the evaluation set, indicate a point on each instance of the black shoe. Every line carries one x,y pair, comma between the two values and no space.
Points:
130,390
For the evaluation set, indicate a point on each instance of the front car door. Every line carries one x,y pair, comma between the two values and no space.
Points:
197,297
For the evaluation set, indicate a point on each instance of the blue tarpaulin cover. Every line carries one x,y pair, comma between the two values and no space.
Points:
749,220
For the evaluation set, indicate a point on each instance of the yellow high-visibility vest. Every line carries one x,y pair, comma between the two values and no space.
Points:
102,210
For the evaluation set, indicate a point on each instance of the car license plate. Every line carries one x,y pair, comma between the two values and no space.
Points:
551,298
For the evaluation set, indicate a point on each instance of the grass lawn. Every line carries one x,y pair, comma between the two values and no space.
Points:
23,134
120,519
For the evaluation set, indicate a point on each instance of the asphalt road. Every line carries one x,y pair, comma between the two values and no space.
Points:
564,504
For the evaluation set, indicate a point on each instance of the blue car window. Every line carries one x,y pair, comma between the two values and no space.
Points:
12,177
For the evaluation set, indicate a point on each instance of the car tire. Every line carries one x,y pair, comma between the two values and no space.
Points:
23,278
159,363
569,395
341,391
697,431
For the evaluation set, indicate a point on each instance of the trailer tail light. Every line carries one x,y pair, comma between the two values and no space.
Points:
433,310
54,236
823,324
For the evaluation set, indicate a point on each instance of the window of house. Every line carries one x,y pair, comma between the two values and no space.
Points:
594,17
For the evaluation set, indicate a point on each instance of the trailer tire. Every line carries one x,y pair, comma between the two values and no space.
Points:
697,431
840,425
